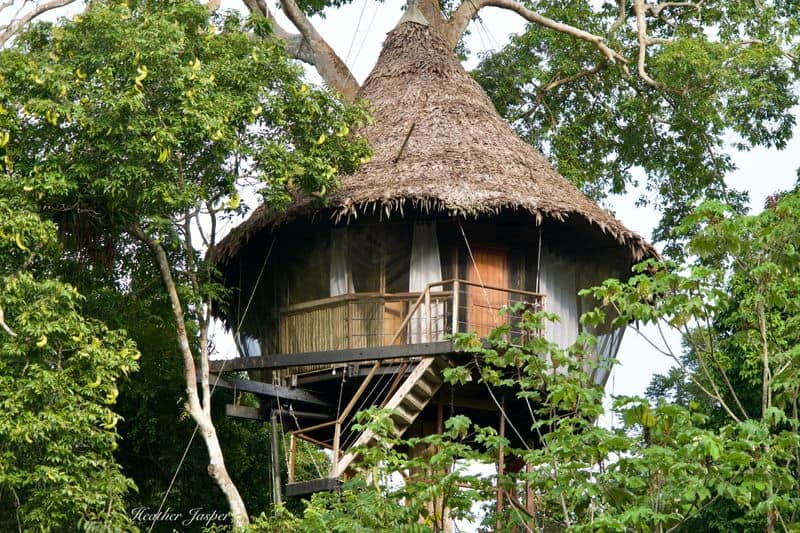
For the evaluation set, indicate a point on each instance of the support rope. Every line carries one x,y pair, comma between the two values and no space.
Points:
183,457
255,286
355,32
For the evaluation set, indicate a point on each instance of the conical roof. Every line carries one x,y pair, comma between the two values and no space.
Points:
440,146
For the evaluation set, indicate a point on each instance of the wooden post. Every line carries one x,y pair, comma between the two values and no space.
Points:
500,466
381,340
448,525
276,458
455,306
428,311
292,456
337,435
348,317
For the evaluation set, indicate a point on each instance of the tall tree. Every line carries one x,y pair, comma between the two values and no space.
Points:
133,127
605,87
737,306
59,378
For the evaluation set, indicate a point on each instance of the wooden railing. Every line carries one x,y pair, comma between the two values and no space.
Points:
365,320
441,308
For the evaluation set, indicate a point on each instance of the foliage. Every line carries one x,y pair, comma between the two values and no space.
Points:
668,466
737,304
157,428
132,129
59,374
768,232
718,69
139,114
435,478
136,123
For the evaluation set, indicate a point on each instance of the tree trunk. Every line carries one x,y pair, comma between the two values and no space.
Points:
216,462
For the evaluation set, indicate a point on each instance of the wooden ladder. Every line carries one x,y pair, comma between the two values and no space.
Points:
407,402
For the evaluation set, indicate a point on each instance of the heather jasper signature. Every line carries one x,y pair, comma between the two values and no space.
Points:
186,518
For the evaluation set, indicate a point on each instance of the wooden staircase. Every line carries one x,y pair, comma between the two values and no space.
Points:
407,402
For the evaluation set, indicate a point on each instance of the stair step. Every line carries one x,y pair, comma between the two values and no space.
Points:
402,419
418,396
413,402
432,374
303,488
426,389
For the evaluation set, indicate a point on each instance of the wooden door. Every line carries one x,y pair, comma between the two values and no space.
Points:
490,269
393,315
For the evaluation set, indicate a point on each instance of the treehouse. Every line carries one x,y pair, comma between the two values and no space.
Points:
351,302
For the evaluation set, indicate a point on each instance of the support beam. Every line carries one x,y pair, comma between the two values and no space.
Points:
359,372
530,502
255,413
292,457
500,467
244,411
265,389
351,355
310,487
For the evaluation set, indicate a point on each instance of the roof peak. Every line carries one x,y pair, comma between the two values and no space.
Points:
413,14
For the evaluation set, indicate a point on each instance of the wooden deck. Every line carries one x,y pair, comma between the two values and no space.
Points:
331,357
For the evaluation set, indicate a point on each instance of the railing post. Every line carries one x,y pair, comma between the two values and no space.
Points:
348,315
455,306
292,455
428,310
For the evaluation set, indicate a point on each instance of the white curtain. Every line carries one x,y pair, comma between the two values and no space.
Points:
339,276
560,279
249,346
607,348
426,267
557,280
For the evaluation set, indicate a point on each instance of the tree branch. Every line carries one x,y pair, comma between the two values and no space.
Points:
4,325
469,8
558,82
8,30
658,8
620,20
720,367
700,359
575,77
766,375
645,40
328,64
309,46
788,55
669,353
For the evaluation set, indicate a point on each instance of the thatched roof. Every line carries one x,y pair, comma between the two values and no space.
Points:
440,146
